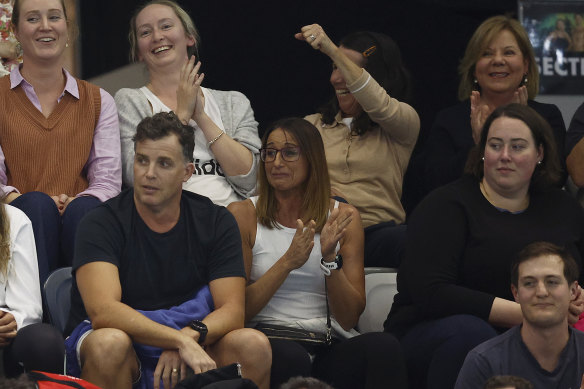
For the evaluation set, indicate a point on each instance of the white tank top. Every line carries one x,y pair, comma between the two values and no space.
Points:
208,179
301,298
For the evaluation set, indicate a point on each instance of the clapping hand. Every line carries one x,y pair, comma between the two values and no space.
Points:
302,244
189,100
334,230
520,96
479,111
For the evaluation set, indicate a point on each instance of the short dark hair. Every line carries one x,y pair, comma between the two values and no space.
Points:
383,61
548,173
502,381
538,249
305,383
163,124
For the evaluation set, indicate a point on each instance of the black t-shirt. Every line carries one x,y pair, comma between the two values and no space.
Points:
158,270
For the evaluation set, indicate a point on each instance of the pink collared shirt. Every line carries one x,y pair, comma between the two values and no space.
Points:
104,166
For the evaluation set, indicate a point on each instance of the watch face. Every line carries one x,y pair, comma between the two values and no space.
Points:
198,325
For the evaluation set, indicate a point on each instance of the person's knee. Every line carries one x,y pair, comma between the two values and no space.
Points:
35,203
80,206
250,344
108,348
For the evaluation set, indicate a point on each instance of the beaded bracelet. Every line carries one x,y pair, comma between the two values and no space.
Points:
215,139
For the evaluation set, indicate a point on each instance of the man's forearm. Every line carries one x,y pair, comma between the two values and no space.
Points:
140,328
223,320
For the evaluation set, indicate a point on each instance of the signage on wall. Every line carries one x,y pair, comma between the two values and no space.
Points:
556,32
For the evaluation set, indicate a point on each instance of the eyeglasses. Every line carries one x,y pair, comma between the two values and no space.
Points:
288,154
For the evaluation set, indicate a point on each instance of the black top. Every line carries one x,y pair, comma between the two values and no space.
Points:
576,129
450,141
459,249
158,270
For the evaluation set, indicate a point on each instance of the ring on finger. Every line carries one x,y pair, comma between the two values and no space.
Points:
312,37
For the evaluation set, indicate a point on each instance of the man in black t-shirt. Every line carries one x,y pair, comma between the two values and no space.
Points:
156,268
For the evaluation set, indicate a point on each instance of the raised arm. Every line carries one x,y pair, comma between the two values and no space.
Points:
398,119
234,158
240,124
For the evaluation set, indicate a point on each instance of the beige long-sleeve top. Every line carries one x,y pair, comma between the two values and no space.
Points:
368,170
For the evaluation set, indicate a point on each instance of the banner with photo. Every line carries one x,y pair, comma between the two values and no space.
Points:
556,31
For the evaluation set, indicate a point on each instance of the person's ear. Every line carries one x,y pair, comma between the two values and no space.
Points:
189,170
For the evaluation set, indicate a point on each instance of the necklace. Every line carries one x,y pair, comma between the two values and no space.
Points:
522,207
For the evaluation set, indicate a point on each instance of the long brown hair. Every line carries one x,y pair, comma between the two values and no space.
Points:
317,188
4,240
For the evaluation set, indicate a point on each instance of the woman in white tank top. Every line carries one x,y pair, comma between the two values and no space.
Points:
287,231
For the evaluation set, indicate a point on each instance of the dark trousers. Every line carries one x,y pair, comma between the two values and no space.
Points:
36,347
372,360
384,244
54,234
435,350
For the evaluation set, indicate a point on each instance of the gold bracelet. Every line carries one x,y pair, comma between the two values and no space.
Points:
215,139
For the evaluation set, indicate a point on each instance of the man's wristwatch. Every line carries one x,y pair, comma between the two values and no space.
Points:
328,266
201,328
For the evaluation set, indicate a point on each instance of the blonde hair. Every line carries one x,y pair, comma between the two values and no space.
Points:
479,41
181,14
317,188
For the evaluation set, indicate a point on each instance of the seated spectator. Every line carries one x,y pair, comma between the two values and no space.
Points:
292,232
25,341
507,382
59,136
544,349
498,68
453,285
159,273
164,37
575,147
369,132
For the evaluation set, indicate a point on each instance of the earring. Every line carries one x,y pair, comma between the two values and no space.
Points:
525,79
539,162
475,84
67,44
483,159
